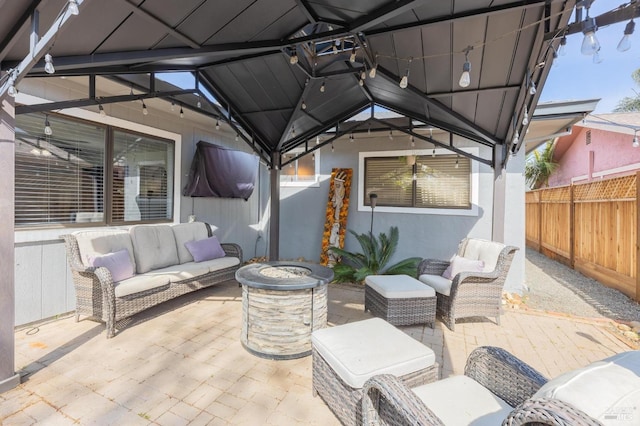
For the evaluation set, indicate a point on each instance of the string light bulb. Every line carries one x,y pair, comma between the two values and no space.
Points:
413,141
390,134
217,124
173,106
237,137
404,81
101,110
317,140
590,43
11,90
525,118
635,143
303,105
457,161
181,112
293,59
374,69
433,153
48,64
465,77
47,126
562,50
72,7
332,149
352,57
625,42
323,87
145,111
532,88
199,104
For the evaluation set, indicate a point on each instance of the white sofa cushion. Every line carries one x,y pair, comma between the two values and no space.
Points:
439,283
96,243
154,247
461,401
360,350
604,390
398,286
185,232
485,250
191,270
140,283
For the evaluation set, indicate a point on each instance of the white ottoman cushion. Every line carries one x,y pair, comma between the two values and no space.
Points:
605,390
460,400
359,350
437,282
399,286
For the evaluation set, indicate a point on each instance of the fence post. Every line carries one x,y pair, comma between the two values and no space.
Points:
637,298
572,228
539,199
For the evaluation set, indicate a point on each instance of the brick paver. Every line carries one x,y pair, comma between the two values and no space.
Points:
182,363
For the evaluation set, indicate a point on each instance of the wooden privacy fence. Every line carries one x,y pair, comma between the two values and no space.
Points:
591,227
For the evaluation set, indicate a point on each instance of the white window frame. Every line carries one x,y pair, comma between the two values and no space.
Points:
475,180
315,183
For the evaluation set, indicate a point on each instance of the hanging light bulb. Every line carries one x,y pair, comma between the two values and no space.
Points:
635,143
323,87
48,64
72,7
625,42
313,155
101,110
516,137
433,153
351,138
465,78
532,88
303,105
181,112
390,134
217,124
361,82
590,43
317,140
199,104
173,106
293,59
237,137
373,70
352,57
525,118
293,131
332,149
145,111
596,59
562,51
11,90
457,161
413,141
335,47
404,82
47,126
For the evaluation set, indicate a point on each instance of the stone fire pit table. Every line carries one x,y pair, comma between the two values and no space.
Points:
282,303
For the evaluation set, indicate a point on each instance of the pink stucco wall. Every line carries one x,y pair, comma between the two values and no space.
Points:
610,151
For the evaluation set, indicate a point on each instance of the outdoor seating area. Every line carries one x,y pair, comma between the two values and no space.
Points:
182,362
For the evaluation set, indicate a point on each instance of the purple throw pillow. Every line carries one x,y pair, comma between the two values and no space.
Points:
462,264
206,249
118,263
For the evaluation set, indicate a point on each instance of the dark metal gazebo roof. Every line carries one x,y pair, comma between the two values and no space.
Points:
243,51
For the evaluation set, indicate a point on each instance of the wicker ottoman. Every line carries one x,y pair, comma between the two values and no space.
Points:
346,356
400,299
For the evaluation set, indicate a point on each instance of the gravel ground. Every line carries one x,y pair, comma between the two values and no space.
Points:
555,287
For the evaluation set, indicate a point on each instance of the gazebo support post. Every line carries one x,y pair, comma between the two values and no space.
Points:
274,219
8,377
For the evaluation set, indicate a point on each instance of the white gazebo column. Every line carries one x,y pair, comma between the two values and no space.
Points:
8,377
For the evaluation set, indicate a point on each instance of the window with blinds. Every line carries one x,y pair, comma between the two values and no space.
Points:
61,177
442,181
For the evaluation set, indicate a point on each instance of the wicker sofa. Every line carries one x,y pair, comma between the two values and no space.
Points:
497,388
469,293
163,268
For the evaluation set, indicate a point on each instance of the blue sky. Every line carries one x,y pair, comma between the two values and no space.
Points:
575,76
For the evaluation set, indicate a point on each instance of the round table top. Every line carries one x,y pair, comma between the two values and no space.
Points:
283,275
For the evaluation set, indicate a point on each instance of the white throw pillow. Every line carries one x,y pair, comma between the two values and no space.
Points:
462,264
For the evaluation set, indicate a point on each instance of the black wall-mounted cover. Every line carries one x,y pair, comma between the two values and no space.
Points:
221,172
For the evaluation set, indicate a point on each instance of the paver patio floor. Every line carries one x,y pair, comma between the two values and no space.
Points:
182,363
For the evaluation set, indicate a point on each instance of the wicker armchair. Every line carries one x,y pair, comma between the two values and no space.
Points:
470,294
495,372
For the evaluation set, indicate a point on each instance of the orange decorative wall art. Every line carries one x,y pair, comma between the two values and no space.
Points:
335,226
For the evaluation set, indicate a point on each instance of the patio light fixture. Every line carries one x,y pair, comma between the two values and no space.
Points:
352,57
72,7
625,42
101,110
47,126
317,140
457,161
173,106
390,134
562,50
465,78
525,118
590,43
293,59
404,82
181,112
635,143
374,68
48,64
11,90
303,105
217,124
145,111
433,153
323,87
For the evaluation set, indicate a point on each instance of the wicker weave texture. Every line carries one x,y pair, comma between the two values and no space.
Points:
388,401
95,289
472,294
345,401
400,311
